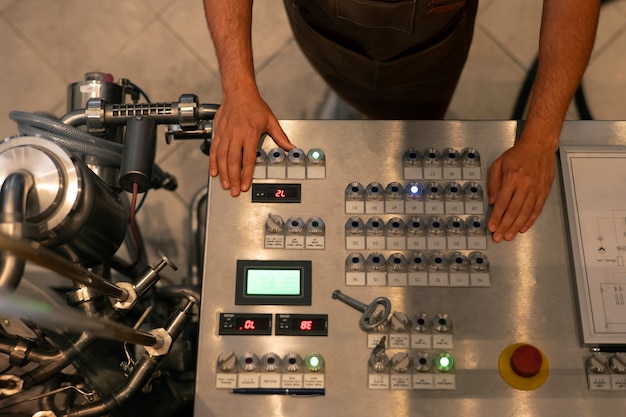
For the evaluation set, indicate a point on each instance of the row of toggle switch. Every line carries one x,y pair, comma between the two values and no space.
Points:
416,233
449,163
270,370
294,233
421,331
408,370
606,372
296,164
415,198
418,269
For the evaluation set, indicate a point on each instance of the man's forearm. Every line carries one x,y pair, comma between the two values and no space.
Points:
230,25
568,30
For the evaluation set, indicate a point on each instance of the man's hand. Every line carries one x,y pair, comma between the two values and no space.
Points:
518,185
237,128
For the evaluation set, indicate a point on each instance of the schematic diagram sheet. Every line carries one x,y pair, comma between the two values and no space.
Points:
595,191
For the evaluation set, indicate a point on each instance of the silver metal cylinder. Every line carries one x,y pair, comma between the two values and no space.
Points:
76,214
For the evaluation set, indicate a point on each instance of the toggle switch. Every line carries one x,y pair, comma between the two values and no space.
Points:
227,361
401,362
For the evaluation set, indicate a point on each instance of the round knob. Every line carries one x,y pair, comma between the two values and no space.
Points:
473,191
416,226
294,225
433,191
396,262
355,191
315,226
261,156
375,226
355,226
355,262
270,362
597,363
455,226
526,361
432,157
395,226
417,261
394,191
422,361
296,156
314,362
438,262
475,225
412,157
401,362
374,191
249,362
399,322
442,322
451,157
227,361
435,226
470,157
453,191
421,323
292,362
478,261
458,262
375,261
276,156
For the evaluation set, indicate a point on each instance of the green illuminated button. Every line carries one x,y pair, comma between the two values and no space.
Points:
444,362
314,362
315,156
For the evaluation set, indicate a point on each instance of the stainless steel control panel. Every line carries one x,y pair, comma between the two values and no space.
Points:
357,278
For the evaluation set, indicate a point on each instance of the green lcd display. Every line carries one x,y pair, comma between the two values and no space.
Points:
273,282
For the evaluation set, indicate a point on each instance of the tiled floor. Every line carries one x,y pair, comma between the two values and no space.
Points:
164,47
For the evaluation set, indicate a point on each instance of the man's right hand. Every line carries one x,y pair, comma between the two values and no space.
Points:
238,126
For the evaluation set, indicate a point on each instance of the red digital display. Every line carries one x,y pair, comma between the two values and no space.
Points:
308,325
251,325
283,192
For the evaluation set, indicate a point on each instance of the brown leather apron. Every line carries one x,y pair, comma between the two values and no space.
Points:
388,59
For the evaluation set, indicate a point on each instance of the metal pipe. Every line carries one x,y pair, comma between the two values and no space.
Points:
142,373
35,252
13,199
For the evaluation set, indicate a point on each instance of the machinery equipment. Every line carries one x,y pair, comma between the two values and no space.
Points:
357,278
97,343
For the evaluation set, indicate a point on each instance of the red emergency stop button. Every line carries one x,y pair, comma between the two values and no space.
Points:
523,366
526,361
